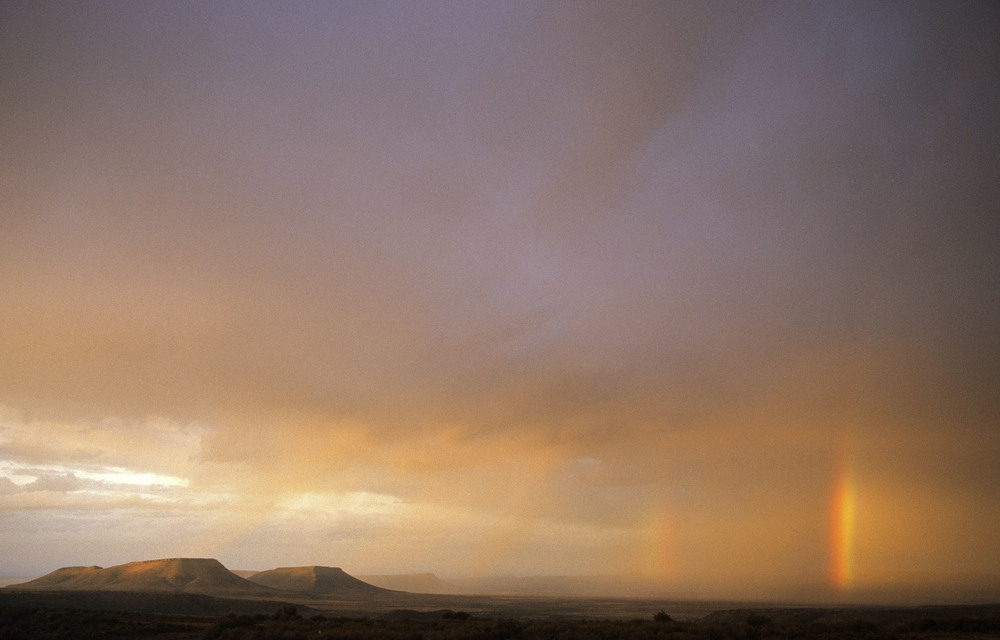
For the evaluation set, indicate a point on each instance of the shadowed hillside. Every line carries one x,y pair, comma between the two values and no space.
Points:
316,581
180,575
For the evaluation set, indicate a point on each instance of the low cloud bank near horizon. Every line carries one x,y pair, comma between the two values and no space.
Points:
530,289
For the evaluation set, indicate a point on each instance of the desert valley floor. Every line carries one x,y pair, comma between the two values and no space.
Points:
199,598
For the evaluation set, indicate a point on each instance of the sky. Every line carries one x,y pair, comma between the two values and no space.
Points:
704,294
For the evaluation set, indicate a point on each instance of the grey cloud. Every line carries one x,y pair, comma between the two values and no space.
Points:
59,482
8,486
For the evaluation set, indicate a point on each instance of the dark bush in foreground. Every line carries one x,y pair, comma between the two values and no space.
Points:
287,613
231,621
756,620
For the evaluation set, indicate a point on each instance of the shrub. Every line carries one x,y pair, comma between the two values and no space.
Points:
288,612
756,620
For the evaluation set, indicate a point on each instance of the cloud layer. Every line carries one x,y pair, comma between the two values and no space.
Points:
534,288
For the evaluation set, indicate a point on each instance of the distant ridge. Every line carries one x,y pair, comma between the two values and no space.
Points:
316,581
178,575
245,573
413,583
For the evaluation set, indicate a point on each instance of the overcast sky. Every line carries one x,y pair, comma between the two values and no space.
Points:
503,288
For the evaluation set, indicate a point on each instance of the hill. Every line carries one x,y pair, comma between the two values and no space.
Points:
177,575
316,581
413,583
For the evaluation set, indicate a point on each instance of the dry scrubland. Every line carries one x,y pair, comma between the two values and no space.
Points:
185,598
939,623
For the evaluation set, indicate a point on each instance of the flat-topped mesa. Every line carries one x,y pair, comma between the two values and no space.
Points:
316,581
187,575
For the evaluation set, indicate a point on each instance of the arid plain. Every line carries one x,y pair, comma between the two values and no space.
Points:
200,598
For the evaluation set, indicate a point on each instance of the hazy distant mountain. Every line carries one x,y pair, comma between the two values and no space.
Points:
244,573
182,575
412,582
558,586
316,581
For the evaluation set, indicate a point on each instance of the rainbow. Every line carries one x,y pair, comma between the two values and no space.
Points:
842,515
665,563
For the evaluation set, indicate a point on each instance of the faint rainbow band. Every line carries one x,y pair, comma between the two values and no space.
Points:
842,527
